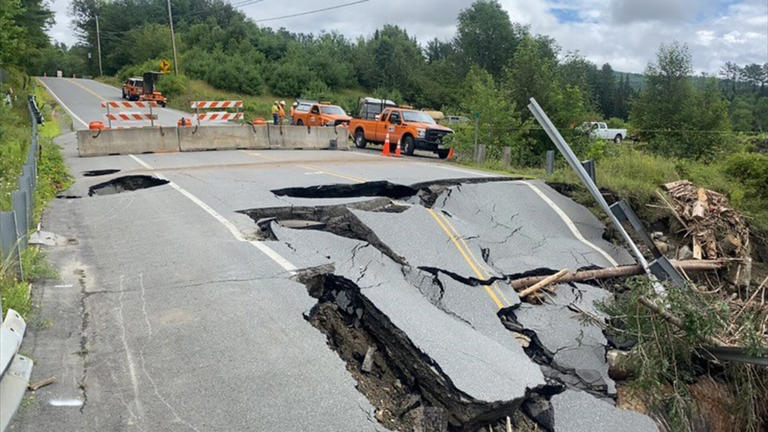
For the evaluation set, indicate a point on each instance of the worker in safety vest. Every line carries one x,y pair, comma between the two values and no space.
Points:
276,112
293,112
281,111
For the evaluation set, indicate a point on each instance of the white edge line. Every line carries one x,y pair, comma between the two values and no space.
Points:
62,103
266,250
569,223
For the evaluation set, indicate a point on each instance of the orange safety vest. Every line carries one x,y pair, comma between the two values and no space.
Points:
281,111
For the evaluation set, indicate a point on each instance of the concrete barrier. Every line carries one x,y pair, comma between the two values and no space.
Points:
127,141
302,137
223,137
202,138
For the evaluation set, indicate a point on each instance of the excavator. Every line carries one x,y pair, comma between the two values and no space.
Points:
143,89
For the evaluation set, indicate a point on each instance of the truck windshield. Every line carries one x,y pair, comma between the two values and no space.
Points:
332,110
417,117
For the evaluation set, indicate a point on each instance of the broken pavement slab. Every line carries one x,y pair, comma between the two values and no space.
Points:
464,369
576,411
574,343
521,237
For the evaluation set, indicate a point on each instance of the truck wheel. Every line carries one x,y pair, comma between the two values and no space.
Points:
360,139
123,93
299,123
408,145
617,139
443,153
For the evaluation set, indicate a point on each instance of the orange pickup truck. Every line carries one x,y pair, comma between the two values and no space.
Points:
320,114
416,130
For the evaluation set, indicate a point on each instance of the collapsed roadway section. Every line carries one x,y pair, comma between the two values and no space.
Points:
413,293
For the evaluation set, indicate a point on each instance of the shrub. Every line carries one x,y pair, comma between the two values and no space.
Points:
751,169
172,85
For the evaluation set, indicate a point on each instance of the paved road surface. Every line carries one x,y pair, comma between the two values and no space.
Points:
168,316
83,98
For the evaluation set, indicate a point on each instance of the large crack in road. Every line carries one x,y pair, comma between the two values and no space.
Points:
415,280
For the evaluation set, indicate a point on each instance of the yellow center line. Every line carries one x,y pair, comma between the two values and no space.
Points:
468,257
312,168
486,273
333,174
101,98
469,261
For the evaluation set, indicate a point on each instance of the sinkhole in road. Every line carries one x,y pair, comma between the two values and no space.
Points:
126,184
409,391
426,192
335,219
396,379
98,173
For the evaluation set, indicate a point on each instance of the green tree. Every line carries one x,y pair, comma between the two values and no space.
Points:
11,34
606,91
675,118
486,37
499,124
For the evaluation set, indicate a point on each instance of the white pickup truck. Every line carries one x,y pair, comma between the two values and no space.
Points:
601,130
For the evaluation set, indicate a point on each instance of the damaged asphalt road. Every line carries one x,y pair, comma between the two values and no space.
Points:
176,311
421,270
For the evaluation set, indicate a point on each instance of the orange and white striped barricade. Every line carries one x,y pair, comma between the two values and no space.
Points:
129,116
217,116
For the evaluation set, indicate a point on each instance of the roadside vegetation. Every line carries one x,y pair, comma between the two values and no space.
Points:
53,177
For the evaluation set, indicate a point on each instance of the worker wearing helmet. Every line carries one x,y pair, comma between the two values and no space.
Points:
275,112
293,111
281,111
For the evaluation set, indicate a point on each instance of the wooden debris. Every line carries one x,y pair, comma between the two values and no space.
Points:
613,272
367,365
548,280
42,383
715,229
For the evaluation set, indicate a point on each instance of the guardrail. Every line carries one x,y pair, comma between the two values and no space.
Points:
16,369
16,224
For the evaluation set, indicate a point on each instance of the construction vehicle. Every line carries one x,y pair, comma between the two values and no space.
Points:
143,89
411,128
320,114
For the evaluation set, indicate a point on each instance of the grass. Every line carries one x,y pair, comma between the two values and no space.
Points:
52,178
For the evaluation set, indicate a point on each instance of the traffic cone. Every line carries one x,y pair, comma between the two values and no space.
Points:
397,149
450,154
385,150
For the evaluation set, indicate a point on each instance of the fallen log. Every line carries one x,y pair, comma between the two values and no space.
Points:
547,281
614,272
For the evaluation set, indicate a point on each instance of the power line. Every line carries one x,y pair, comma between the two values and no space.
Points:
311,12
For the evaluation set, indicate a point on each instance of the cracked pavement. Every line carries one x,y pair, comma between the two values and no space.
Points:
170,315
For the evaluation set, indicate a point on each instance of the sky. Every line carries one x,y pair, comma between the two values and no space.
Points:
624,33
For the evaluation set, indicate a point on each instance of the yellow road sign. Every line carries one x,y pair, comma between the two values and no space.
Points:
165,66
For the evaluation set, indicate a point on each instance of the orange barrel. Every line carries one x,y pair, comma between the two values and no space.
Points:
96,125
259,121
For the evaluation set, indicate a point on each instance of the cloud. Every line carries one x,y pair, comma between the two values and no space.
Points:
624,33
628,11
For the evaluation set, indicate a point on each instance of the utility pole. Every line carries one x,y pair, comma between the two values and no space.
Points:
173,40
98,44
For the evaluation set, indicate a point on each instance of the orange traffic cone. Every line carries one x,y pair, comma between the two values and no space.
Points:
385,150
450,154
398,152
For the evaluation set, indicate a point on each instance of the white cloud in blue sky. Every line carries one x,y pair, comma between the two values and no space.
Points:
624,33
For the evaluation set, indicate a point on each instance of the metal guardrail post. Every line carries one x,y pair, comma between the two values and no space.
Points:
589,167
575,163
506,156
550,162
